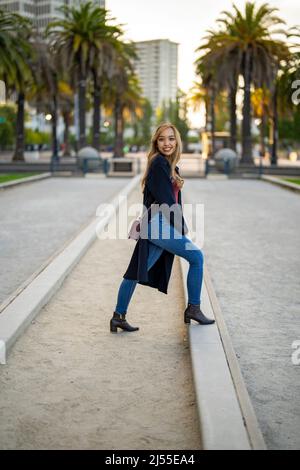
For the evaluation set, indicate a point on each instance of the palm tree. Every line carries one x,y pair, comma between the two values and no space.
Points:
221,63
46,85
289,73
127,104
210,83
245,45
79,37
197,97
15,60
283,102
260,100
124,89
251,33
22,80
65,98
8,44
102,68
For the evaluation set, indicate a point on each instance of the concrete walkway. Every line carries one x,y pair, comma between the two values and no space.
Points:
71,384
38,218
252,248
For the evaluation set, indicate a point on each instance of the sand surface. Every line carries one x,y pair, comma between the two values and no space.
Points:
71,384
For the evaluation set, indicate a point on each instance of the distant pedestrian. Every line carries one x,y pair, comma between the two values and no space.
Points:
163,234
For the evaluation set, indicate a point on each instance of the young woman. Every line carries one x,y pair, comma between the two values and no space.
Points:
163,234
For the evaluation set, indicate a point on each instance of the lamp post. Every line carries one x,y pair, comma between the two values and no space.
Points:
54,156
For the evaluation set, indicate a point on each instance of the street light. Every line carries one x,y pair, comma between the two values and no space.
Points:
54,155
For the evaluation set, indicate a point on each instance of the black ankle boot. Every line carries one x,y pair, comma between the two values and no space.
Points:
119,321
193,312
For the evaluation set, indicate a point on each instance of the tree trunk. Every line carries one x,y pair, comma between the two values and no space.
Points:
135,130
19,149
275,129
54,128
213,121
97,114
206,105
82,105
118,149
67,150
246,125
233,126
262,135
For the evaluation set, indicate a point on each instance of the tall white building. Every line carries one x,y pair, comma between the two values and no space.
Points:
41,12
157,69
100,3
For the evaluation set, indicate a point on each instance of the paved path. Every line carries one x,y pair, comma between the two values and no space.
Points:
251,248
38,218
71,384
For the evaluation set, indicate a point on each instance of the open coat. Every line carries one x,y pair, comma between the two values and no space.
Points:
158,189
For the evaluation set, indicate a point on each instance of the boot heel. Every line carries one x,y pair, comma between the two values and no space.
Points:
187,319
113,328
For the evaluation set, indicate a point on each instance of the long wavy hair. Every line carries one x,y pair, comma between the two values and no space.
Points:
173,158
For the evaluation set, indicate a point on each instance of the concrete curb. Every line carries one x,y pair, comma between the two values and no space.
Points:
254,433
226,416
28,179
280,182
18,314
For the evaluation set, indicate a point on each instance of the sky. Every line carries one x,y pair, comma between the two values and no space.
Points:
184,22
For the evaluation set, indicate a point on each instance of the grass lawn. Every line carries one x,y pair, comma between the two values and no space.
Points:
292,180
15,176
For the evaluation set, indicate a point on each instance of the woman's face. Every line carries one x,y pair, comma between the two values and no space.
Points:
166,142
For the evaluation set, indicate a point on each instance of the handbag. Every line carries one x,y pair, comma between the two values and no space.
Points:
135,229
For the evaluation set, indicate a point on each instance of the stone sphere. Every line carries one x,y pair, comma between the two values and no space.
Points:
226,159
93,157
88,152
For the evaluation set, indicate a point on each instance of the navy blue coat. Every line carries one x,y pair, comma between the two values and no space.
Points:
158,188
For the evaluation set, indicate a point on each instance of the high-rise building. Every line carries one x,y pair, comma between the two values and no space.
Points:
100,3
41,12
157,69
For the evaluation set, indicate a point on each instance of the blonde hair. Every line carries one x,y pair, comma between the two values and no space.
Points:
173,158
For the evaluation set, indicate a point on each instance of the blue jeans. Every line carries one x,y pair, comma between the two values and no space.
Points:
163,236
